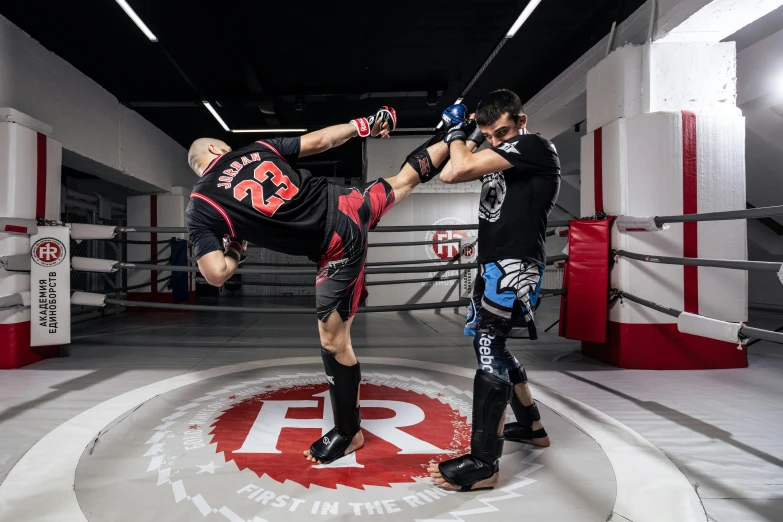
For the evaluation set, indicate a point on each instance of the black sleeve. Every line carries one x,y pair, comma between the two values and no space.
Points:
206,232
530,152
287,147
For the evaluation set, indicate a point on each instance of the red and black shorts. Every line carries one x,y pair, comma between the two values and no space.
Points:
339,284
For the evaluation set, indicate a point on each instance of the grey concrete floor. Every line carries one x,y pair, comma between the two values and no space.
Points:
721,428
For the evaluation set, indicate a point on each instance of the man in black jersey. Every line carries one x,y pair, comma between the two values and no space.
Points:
520,176
255,194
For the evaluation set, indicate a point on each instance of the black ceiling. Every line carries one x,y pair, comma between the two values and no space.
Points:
253,58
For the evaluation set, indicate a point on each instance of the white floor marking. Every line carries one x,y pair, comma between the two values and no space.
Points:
649,486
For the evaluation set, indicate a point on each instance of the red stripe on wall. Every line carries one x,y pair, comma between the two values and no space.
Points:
40,187
154,241
598,168
690,206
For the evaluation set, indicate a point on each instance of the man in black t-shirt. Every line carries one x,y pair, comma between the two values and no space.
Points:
255,194
520,175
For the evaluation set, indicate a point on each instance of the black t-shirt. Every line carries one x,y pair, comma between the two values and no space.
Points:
254,194
515,203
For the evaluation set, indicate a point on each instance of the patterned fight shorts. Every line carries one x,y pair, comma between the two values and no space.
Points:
339,284
506,289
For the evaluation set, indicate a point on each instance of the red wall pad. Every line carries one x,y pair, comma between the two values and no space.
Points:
587,276
16,350
663,347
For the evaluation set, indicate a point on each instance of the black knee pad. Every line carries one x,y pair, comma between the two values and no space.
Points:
518,375
344,392
421,161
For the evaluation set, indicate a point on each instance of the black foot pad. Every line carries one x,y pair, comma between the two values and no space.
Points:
516,433
466,470
331,446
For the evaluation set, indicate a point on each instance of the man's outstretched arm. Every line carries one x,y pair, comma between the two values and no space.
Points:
379,125
325,139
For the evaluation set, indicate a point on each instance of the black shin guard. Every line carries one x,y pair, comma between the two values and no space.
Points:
491,395
490,398
344,393
522,429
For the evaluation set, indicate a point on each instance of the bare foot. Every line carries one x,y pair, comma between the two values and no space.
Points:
491,482
356,443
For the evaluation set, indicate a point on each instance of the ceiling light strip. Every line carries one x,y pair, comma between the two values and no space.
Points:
531,6
138,21
216,115
267,130
526,12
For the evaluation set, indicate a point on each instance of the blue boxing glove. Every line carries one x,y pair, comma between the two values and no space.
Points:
454,115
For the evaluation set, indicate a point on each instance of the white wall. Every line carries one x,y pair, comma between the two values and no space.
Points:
385,157
428,204
759,90
90,123
562,103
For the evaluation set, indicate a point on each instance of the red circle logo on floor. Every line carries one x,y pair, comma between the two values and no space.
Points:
403,432
48,251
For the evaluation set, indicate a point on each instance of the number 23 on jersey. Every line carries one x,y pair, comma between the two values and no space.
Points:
267,206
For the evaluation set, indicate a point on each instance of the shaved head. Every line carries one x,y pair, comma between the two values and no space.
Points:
203,151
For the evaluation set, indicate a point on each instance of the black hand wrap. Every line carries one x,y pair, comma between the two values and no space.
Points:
468,131
490,398
475,135
233,249
456,133
421,162
371,126
344,393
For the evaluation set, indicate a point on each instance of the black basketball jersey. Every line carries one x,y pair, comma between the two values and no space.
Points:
256,195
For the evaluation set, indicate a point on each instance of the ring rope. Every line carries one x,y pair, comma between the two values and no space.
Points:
746,332
761,266
752,213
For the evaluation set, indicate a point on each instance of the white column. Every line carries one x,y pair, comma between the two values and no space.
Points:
665,138
30,171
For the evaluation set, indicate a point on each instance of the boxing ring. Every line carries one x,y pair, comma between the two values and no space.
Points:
199,445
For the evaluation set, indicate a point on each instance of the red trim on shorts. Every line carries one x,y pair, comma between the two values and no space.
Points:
218,208
265,144
380,202
334,252
359,293
349,204
690,205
